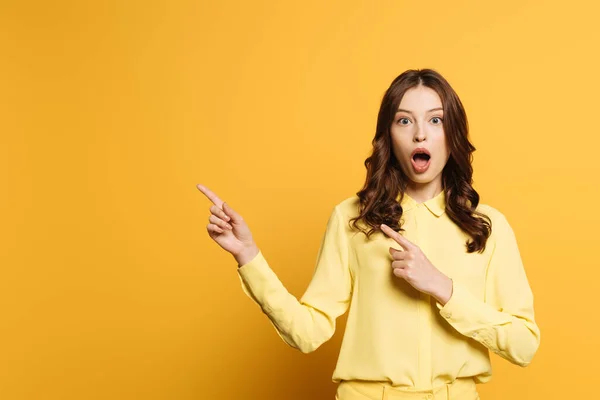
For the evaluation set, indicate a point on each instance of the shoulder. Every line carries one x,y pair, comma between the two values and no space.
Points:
499,222
347,207
490,211
343,210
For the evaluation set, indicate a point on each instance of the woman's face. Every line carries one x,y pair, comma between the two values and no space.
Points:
418,124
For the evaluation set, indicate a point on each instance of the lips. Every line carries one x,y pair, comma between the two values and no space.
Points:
420,150
420,159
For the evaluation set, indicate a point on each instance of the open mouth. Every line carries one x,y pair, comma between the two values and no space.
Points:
420,160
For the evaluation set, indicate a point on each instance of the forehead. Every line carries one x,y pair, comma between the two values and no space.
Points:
420,98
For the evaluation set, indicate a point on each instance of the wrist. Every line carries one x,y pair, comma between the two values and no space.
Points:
246,255
443,289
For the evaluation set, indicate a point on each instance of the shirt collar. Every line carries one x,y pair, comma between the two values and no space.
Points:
437,204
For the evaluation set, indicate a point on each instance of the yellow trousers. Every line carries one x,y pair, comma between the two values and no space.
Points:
460,389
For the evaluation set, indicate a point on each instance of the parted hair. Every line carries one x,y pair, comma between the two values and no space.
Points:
385,179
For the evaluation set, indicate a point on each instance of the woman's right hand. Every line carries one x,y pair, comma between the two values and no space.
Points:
228,229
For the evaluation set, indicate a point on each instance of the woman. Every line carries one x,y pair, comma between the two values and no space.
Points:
433,279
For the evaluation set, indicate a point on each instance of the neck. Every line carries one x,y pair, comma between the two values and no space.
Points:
423,191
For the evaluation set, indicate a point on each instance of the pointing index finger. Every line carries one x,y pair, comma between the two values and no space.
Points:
401,240
211,196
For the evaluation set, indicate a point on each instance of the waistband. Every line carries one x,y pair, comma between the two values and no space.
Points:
459,389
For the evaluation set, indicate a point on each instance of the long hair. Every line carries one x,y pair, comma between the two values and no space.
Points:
385,179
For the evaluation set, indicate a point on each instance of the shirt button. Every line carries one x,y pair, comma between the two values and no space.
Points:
429,397
447,314
474,334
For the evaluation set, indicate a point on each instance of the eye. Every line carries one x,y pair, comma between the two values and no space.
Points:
437,118
402,119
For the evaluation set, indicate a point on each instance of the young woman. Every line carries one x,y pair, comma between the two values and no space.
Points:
432,278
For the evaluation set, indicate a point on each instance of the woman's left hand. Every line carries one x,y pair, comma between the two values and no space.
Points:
416,269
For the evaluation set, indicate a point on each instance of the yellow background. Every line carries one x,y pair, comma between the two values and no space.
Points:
112,111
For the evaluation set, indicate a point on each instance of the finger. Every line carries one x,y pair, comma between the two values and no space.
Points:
399,265
213,228
398,254
218,221
211,196
219,213
235,217
400,273
401,240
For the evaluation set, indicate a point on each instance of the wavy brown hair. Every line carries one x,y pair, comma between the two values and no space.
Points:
385,179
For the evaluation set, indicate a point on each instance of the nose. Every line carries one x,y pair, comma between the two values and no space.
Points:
419,133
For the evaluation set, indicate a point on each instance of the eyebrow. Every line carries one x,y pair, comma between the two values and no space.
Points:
433,109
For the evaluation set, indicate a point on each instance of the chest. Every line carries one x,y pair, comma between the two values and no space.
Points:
440,239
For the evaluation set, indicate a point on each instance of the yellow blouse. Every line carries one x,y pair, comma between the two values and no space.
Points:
395,333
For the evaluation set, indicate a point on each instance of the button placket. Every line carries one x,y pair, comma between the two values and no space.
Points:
425,313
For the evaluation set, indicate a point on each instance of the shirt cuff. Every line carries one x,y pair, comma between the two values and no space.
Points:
259,281
469,315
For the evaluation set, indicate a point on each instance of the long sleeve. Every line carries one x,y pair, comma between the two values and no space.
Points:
306,323
504,321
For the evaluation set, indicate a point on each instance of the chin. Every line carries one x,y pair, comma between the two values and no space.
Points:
427,177
421,179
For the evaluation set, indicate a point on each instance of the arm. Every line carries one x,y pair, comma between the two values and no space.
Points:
504,321
306,323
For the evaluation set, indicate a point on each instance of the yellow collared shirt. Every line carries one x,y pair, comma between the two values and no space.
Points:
395,333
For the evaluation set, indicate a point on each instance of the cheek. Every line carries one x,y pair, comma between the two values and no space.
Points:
398,154
401,156
443,152
398,146
442,147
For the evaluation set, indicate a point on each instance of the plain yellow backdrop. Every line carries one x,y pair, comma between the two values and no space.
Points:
112,111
